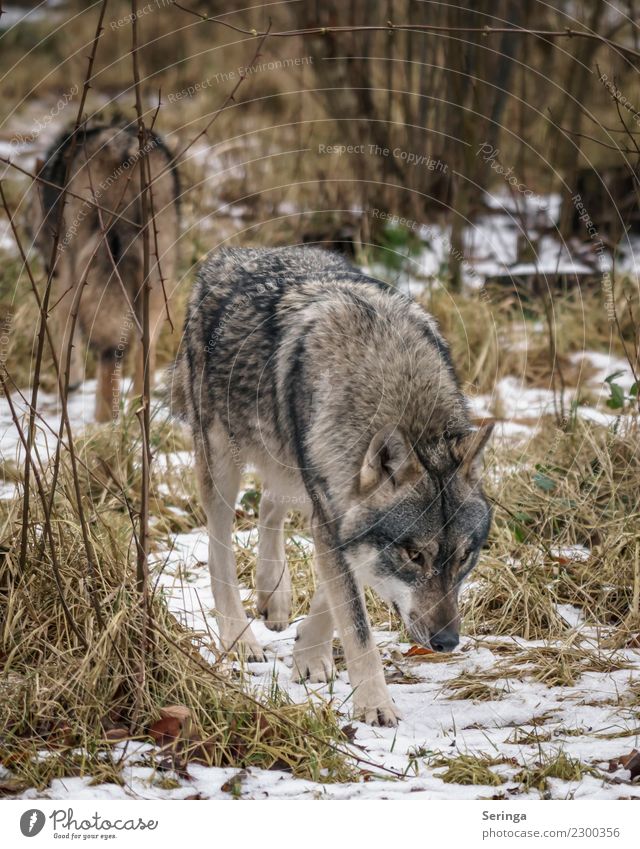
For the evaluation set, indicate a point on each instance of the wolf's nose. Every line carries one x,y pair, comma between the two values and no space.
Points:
445,640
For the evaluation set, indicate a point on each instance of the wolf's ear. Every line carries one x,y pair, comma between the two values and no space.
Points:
389,459
469,448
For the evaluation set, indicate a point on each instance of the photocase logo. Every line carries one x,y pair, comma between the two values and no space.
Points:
32,822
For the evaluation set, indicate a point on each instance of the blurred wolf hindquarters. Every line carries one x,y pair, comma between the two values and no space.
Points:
341,393
105,251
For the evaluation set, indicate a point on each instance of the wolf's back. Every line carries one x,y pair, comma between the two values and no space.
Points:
279,340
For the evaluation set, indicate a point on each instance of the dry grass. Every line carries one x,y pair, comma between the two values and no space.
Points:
553,765
67,681
495,335
562,665
570,488
473,686
469,769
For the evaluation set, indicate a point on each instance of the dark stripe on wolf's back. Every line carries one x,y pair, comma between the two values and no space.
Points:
214,322
55,167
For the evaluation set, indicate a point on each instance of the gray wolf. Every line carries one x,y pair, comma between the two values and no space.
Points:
99,259
341,393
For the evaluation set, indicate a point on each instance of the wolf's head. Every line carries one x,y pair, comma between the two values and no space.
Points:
418,521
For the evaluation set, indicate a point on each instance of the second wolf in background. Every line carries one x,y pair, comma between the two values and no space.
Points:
99,260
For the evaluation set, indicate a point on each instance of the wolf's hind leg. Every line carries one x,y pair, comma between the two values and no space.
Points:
219,480
313,649
273,580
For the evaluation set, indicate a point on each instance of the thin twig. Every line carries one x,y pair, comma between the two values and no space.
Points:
224,681
390,27
230,98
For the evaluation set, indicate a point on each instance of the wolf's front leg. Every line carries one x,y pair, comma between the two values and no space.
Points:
313,650
371,698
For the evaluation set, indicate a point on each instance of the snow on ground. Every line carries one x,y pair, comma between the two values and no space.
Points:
521,407
576,719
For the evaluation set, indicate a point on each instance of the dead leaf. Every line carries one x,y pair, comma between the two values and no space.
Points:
349,732
175,712
11,786
115,735
418,651
183,715
165,731
401,677
632,763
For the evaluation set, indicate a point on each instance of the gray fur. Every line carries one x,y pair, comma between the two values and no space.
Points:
340,391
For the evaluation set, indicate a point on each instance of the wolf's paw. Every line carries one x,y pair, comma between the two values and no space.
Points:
251,652
246,648
313,664
275,607
375,708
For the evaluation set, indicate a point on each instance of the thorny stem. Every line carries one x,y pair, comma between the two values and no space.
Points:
142,571
210,670
230,98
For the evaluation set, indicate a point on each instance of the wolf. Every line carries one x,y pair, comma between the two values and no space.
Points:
340,392
99,257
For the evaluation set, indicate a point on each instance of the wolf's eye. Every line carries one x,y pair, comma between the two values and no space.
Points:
466,556
415,556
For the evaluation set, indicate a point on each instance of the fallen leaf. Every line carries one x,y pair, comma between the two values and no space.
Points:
166,731
632,763
418,651
114,735
401,678
175,712
11,786
349,732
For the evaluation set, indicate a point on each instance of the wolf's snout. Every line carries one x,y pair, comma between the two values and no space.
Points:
445,640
